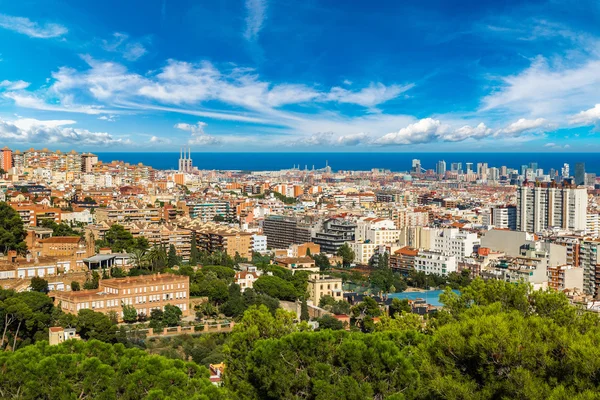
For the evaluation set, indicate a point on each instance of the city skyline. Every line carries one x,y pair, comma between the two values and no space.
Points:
268,76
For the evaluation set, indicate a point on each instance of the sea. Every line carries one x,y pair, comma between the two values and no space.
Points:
395,162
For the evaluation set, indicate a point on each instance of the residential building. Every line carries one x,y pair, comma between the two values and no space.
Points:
122,213
334,233
212,237
432,262
282,232
259,243
58,334
565,277
322,285
145,293
297,263
544,206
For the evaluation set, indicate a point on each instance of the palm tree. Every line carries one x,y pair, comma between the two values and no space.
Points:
139,258
157,257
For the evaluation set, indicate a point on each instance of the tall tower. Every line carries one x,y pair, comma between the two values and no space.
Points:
6,159
185,160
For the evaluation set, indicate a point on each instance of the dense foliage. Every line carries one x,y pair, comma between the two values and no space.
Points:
12,233
86,370
494,341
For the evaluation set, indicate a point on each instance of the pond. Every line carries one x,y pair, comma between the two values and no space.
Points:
431,296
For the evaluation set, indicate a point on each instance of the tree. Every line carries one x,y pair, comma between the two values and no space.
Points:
275,286
235,305
130,314
171,315
346,253
172,259
12,233
96,370
329,322
141,243
322,261
95,325
399,306
156,319
304,316
92,281
75,286
218,218
61,229
39,285
118,239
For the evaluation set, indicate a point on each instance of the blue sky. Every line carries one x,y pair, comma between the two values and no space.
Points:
265,75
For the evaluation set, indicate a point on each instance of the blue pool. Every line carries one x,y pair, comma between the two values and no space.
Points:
431,296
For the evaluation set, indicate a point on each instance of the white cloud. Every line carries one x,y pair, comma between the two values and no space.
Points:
587,117
374,94
53,131
30,28
130,49
108,118
353,139
30,101
195,129
199,136
468,132
159,140
14,85
550,145
424,131
521,126
256,15
546,89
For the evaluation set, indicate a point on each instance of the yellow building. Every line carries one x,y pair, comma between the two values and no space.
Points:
322,285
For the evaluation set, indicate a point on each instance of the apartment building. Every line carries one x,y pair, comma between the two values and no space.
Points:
207,211
454,242
211,237
164,235
34,214
145,293
334,233
590,262
403,260
281,232
432,262
565,277
542,206
121,213
64,246
502,217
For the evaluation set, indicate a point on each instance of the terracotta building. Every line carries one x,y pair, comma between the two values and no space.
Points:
145,293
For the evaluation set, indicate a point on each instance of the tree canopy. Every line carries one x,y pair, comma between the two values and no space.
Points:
12,232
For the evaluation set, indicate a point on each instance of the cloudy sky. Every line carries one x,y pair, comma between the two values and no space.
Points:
266,75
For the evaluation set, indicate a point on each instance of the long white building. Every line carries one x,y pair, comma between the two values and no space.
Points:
544,206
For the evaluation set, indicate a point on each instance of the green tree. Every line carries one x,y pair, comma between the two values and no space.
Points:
39,285
399,306
275,286
12,233
172,259
118,239
235,305
92,281
95,370
329,322
95,325
130,314
172,315
61,229
157,319
75,286
346,253
304,316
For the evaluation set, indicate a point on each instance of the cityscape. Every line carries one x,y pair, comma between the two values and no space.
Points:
268,200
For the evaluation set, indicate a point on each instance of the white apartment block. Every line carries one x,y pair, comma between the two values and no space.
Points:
592,226
432,262
259,243
539,208
454,242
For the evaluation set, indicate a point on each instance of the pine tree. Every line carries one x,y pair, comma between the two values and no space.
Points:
172,259
304,316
